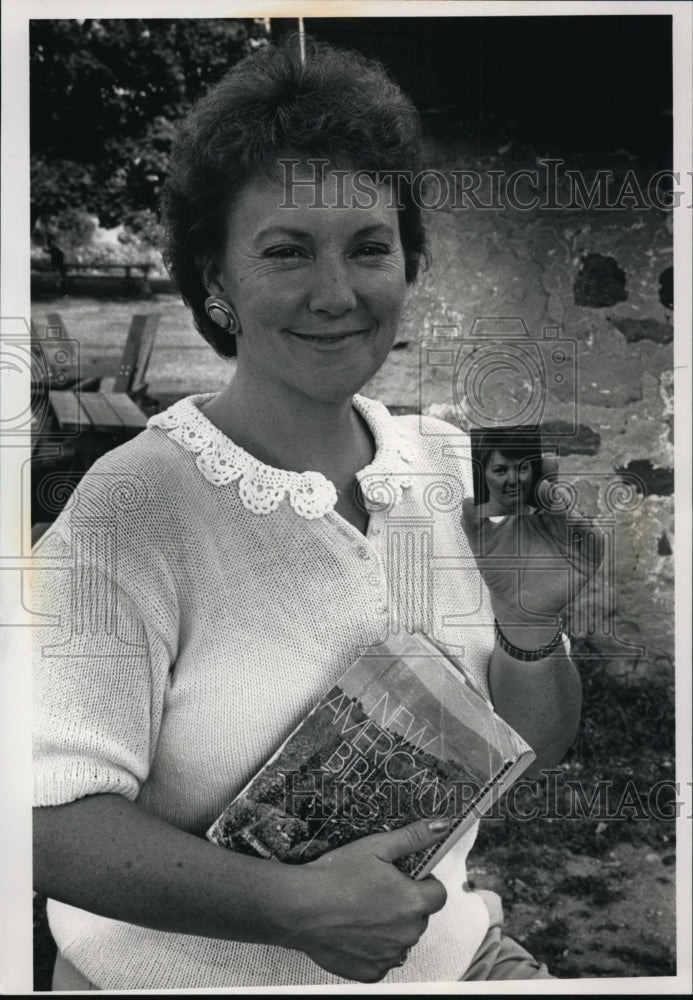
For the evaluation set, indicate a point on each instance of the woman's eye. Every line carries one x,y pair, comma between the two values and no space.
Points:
285,252
373,250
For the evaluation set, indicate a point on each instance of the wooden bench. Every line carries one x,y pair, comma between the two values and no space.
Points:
130,273
97,271
74,408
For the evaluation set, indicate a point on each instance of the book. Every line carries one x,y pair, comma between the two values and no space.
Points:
405,734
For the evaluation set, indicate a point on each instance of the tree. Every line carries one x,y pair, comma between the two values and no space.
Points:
105,97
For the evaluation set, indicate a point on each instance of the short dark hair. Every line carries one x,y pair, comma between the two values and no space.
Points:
513,443
338,105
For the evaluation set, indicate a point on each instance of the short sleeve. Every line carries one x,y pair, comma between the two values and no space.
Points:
100,671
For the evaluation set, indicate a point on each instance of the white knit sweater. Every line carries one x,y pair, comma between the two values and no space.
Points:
204,603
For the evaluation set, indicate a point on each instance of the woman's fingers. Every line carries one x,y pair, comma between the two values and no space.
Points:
471,523
574,530
551,532
434,896
579,540
555,496
365,914
411,839
483,534
362,970
549,466
407,839
535,563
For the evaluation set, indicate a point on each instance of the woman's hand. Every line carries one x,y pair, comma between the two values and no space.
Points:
360,914
351,911
534,565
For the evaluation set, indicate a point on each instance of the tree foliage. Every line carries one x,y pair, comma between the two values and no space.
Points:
105,98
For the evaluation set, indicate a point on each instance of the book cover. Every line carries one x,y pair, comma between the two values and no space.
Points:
403,735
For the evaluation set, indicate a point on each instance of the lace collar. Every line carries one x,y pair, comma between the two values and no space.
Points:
262,488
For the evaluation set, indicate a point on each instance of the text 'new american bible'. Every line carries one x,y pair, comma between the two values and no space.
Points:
403,735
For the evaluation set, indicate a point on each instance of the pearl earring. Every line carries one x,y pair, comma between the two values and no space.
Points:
221,313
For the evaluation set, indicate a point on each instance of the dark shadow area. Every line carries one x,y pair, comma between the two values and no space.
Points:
578,83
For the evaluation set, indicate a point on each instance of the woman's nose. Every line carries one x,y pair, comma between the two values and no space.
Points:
331,288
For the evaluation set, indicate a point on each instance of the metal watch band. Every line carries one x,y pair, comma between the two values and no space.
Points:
528,655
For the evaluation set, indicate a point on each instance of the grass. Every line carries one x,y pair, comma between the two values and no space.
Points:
625,745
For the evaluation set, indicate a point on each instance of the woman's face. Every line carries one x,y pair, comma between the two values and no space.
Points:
318,290
508,480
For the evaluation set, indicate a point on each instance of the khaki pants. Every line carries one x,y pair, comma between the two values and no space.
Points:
498,957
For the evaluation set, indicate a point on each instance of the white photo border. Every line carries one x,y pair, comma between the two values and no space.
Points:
16,972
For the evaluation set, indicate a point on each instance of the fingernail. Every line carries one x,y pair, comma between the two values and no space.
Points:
438,825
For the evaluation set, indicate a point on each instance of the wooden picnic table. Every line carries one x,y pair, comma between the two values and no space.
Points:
110,412
57,357
78,419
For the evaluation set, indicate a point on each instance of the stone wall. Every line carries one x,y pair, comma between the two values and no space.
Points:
598,283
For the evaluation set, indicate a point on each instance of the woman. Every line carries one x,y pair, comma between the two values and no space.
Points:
507,470
226,566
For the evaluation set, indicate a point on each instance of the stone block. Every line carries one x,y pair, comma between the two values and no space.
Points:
600,282
610,372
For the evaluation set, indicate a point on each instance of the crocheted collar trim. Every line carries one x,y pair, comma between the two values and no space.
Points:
262,487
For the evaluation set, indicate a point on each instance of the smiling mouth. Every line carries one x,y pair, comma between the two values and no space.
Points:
336,338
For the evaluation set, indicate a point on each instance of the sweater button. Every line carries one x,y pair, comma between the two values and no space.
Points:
364,554
373,579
